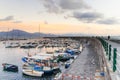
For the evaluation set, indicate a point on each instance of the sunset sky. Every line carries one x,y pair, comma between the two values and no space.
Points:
101,17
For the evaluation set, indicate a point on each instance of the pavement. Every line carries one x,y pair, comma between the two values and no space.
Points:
85,65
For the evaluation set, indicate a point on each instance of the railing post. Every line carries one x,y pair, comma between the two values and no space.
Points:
106,48
114,59
109,52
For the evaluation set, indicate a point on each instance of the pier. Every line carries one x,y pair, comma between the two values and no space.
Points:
90,64
85,65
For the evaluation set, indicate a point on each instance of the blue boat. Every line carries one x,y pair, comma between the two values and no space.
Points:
40,63
69,51
63,57
10,67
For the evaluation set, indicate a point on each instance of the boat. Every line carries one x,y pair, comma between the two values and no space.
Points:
47,70
40,46
69,51
63,57
10,67
43,64
31,70
25,46
68,63
12,45
32,73
28,45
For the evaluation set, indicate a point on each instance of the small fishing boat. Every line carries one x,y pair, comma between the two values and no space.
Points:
40,46
68,63
42,64
25,46
28,45
31,70
63,57
10,67
12,45
32,73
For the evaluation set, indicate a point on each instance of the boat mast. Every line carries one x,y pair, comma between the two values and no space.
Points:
39,31
7,37
39,37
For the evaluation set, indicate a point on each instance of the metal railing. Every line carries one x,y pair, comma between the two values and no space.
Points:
113,58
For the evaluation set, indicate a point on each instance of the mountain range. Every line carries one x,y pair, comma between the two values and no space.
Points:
19,34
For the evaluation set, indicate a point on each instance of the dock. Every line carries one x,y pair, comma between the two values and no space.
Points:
86,66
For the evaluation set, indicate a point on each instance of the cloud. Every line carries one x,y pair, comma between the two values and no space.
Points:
60,6
17,22
87,17
52,6
108,21
73,4
94,17
8,18
79,9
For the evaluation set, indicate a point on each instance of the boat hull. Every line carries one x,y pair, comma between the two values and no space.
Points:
33,73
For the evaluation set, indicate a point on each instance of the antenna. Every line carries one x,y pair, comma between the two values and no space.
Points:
39,30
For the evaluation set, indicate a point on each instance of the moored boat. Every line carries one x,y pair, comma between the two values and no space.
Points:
32,73
63,57
10,67
41,63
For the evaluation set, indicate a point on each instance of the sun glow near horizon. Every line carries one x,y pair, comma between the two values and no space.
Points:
60,28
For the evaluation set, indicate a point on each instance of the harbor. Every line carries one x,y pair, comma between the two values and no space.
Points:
13,55
59,40
85,59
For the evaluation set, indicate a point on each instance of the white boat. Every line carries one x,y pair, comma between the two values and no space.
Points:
40,46
32,72
39,64
12,45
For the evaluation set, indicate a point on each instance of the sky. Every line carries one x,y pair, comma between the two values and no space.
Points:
100,17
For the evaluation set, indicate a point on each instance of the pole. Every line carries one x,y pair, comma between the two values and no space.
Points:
39,30
109,52
114,59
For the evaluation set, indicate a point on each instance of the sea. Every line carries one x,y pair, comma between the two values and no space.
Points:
13,56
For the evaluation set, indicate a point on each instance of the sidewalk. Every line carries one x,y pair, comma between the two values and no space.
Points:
85,65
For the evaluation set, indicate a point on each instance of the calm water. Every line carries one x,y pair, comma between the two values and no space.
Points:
13,56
